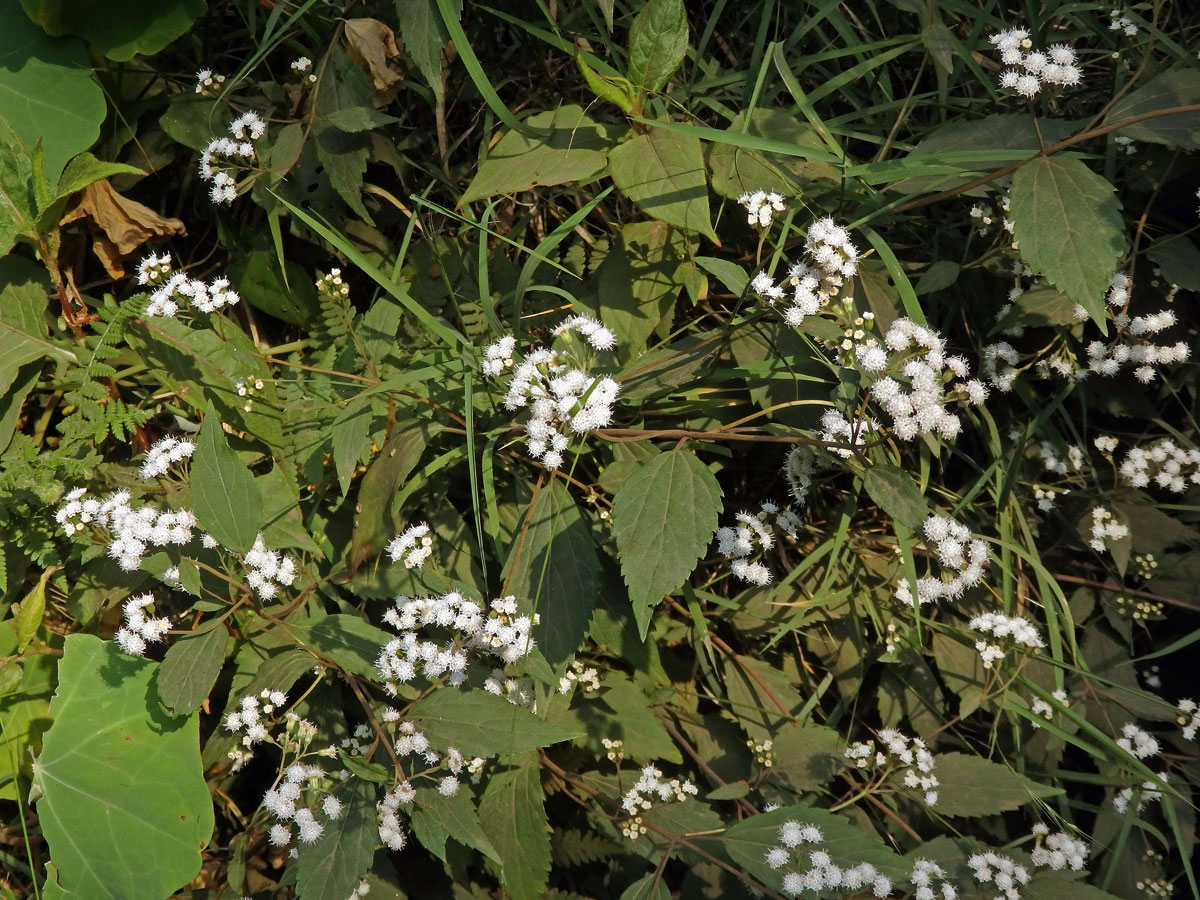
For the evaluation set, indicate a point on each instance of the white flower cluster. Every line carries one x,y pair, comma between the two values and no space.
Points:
834,259
1031,69
761,207
837,429
245,130
171,289
391,831
754,535
1149,791
798,469
921,408
207,82
269,569
163,454
1058,851
132,531
1105,528
909,752
1163,463
249,715
1002,871
138,630
413,545
561,396
586,677
1020,631
999,365
957,551
515,689
1044,709
1052,462
502,633
984,217
302,66
1189,718
1122,23
823,874
285,803
1132,347
1137,742
925,877
650,786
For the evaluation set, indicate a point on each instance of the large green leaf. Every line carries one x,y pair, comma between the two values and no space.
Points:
332,867
23,325
482,724
663,172
437,818
748,841
663,519
123,802
190,668
1175,87
140,26
620,710
47,90
553,570
573,148
1067,223
224,496
18,207
515,820
972,786
657,44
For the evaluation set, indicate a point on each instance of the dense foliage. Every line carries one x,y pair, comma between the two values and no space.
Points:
598,450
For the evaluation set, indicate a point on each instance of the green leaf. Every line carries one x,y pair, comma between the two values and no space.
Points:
658,42
142,26
554,570
939,276
730,274
1175,87
1067,222
350,433
424,38
261,282
737,167
33,608
189,670
224,495
1039,307
616,91
80,172
455,817
342,153
123,803
1179,261
664,174
283,525
648,887
358,118
663,519
361,768
806,756
748,841
973,786
482,724
620,710
24,713
18,207
345,639
897,495
333,866
515,821
47,90
573,148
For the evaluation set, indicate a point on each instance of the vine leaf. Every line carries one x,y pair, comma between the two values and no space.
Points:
119,787
224,495
664,516
1068,227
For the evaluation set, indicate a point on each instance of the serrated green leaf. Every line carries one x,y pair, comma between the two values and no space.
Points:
350,430
897,495
1175,87
939,276
554,570
455,817
224,495
1067,223
189,670
332,867
141,27
658,42
123,804
424,38
570,147
664,174
347,640
663,519
620,710
648,887
482,724
33,608
515,821
17,203
47,90
361,768
806,756
730,274
973,786
1179,261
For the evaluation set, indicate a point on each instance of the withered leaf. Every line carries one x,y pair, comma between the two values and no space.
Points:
373,46
119,225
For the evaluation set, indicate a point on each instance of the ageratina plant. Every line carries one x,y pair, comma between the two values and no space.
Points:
600,452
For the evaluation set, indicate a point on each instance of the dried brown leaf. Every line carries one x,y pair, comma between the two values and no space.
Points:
119,225
373,46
